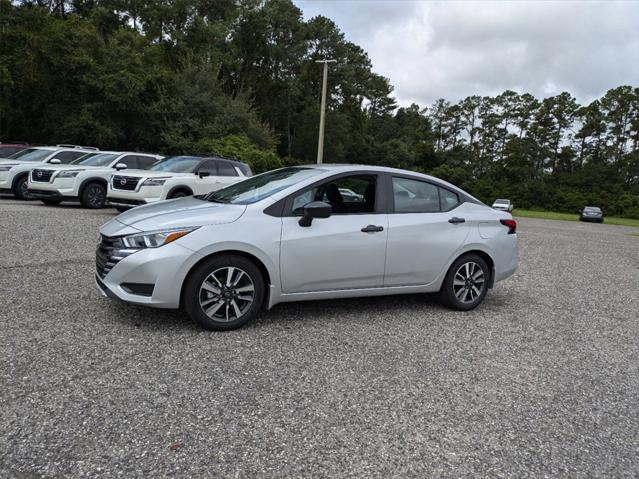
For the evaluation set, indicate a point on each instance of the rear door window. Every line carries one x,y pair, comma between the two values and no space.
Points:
67,157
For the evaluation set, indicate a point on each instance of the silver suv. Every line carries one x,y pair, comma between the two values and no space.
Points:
292,234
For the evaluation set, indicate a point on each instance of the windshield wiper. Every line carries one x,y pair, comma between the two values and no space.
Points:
212,198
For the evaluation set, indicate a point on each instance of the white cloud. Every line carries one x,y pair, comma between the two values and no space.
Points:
450,50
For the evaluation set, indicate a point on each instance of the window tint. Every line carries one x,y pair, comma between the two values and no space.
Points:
66,157
225,169
131,161
448,199
209,166
346,195
9,150
32,154
177,164
146,162
412,196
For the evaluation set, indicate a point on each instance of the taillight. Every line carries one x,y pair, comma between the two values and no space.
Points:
511,225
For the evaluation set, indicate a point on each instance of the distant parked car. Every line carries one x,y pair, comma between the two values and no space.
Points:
8,149
591,213
14,171
503,205
84,180
174,177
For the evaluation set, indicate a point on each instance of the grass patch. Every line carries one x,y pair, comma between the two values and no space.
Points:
552,215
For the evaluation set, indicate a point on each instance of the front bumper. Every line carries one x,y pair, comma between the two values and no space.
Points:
165,268
63,188
142,196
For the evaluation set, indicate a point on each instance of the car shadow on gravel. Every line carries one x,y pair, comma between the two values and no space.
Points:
289,314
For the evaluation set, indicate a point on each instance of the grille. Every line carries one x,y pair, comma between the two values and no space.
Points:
109,252
126,183
42,176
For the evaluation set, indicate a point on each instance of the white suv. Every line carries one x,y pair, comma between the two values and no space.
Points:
14,171
84,180
174,177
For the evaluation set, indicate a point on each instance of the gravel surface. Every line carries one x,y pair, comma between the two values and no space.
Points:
541,380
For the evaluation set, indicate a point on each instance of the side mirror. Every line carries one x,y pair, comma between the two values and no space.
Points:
55,161
121,166
315,209
203,174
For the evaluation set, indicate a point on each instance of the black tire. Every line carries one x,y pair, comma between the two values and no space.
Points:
178,194
122,209
196,298
20,188
461,296
51,202
93,196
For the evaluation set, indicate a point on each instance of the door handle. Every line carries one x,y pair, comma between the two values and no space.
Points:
372,229
454,220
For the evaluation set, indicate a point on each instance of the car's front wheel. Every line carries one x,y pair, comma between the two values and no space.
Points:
466,283
20,189
223,293
93,196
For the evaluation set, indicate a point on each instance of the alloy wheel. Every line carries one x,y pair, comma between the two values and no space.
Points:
96,196
226,294
468,282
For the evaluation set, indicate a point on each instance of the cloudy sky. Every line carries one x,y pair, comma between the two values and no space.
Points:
453,49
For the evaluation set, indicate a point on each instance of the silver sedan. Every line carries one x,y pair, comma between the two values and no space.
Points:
293,235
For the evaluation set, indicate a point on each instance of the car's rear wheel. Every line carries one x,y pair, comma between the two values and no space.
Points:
93,196
20,188
466,283
49,202
224,293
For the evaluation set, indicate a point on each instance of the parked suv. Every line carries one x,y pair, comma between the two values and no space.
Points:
174,177
84,180
14,171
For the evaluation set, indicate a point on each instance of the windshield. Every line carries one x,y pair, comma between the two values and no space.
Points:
95,159
592,208
177,164
261,186
32,154
501,202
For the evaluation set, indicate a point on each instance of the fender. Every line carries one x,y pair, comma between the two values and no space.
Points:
179,187
273,290
17,178
85,182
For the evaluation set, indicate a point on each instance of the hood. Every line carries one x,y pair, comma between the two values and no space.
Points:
177,213
152,174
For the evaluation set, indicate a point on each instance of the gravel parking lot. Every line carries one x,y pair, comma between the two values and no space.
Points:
541,380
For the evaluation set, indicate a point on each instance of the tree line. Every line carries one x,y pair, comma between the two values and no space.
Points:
239,77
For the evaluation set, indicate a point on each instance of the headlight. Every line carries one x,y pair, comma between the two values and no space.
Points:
154,239
154,181
68,174
6,168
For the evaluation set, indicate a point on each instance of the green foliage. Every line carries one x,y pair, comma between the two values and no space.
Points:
241,148
240,78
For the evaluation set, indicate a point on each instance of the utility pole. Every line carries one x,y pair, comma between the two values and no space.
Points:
320,142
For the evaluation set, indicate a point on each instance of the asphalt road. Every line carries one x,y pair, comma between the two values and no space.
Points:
541,380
